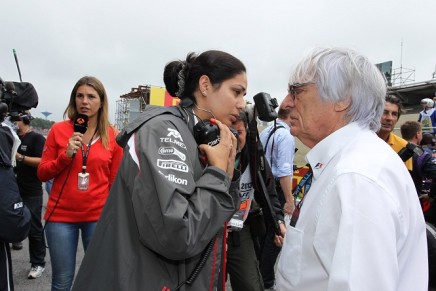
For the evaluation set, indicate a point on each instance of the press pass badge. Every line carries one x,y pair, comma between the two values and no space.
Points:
83,181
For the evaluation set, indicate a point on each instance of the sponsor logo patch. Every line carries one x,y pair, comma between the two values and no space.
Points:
18,205
172,151
319,166
173,165
173,141
174,179
175,133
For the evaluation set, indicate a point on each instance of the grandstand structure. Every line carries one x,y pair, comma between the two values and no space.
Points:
401,83
130,105
412,93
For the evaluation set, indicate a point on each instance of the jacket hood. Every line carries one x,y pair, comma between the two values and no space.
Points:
150,112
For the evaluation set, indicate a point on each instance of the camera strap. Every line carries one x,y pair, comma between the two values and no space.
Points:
258,168
269,136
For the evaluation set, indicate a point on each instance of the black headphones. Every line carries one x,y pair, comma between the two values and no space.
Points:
27,118
208,132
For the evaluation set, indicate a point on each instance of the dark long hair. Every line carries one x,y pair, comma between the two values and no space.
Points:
217,65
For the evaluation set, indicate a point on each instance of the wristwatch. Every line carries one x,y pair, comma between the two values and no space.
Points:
280,221
20,158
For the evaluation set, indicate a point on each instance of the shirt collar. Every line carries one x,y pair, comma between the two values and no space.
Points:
284,124
390,139
322,153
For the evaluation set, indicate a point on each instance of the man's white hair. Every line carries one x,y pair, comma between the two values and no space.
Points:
341,74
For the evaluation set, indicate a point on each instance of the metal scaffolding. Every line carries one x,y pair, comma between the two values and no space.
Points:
131,105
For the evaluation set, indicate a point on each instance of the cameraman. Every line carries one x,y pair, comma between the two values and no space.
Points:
242,265
14,216
279,147
28,159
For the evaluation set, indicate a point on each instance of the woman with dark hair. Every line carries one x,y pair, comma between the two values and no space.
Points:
81,181
163,226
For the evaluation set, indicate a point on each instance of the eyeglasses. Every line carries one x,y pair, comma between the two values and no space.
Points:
292,89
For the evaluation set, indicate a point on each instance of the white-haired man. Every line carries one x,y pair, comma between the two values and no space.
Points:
361,226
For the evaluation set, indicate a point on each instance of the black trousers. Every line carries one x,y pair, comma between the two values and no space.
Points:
242,264
268,257
37,248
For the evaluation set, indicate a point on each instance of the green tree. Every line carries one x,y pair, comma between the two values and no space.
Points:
41,123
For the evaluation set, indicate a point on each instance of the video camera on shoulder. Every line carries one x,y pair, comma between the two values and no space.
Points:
16,98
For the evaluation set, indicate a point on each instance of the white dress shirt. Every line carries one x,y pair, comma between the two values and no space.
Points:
361,227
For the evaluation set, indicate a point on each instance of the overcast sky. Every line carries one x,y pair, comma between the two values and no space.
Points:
128,43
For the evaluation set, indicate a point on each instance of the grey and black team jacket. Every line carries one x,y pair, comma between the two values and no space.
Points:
14,216
163,210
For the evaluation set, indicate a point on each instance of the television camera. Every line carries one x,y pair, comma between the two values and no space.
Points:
16,98
409,151
264,109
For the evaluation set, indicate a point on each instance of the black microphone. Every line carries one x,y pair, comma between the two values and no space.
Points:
80,125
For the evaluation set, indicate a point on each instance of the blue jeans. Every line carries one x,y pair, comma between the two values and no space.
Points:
62,240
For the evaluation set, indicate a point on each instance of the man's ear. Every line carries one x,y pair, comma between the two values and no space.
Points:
342,105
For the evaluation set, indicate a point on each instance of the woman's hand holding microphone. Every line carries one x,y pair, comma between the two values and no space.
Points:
74,143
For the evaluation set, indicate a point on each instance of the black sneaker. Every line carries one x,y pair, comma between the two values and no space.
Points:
17,246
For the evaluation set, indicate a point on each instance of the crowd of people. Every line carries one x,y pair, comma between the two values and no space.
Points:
189,197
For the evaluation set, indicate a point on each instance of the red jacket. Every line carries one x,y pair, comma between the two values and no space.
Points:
75,205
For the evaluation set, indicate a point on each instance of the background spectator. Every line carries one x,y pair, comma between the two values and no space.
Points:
28,159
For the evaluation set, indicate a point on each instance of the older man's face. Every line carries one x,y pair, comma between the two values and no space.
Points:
389,117
311,118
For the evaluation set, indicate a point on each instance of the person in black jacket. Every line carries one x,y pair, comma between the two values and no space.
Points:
424,177
14,216
424,165
427,143
28,158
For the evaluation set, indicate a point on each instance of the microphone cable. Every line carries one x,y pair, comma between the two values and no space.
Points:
59,196
199,266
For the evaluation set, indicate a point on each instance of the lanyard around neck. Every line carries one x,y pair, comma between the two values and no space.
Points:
305,182
86,153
